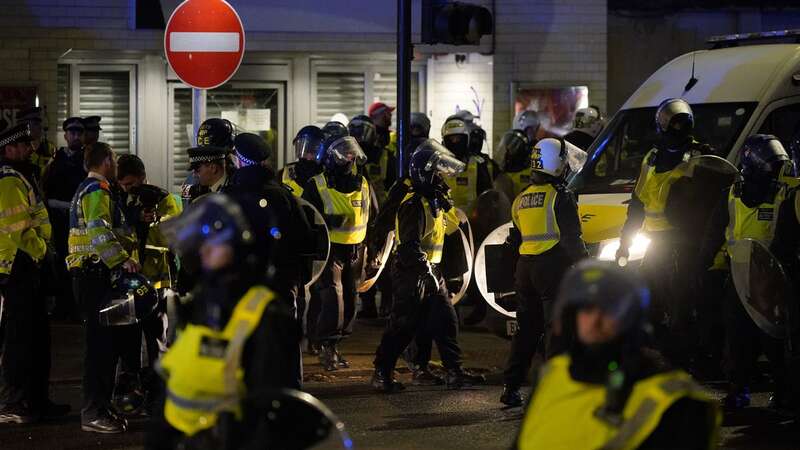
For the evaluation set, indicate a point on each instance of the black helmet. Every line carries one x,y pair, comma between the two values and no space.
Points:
605,285
340,154
132,299
335,129
215,132
476,137
762,157
307,142
674,119
363,129
429,161
514,151
419,125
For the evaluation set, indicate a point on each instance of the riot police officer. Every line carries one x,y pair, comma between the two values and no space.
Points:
238,332
762,208
343,198
476,178
587,125
25,334
421,301
306,145
515,153
528,122
100,242
665,265
419,125
607,390
213,132
547,232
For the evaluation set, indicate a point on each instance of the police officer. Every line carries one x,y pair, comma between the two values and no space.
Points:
477,178
212,132
528,122
100,242
343,197
421,301
607,390
43,150
665,265
419,125
238,332
587,125
335,128
547,231
146,207
762,208
515,150
25,338
306,145
380,168
60,180
91,127
209,166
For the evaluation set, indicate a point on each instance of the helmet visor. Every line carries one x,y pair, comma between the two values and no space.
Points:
363,131
666,116
345,151
511,147
442,160
305,146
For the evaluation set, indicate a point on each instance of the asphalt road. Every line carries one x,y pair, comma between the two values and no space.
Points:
418,418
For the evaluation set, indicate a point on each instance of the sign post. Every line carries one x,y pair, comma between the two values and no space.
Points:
204,45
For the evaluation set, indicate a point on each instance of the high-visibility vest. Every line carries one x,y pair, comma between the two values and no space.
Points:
432,239
519,180
353,207
288,180
562,411
653,190
533,213
756,223
464,186
24,223
97,227
376,172
156,260
203,369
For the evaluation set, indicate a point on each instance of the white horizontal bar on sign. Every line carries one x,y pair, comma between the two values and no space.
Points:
203,42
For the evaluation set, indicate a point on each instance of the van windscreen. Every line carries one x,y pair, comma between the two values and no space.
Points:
616,155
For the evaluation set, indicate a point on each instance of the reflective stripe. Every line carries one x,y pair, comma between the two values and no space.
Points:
16,226
324,193
11,211
111,253
631,426
203,405
80,248
98,223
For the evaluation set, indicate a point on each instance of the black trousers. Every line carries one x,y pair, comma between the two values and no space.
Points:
92,288
336,293
431,318
25,356
536,281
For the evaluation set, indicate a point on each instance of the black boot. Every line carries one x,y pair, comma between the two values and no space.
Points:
386,383
458,378
511,396
424,377
327,356
340,361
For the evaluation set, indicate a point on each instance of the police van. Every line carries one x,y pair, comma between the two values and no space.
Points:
743,85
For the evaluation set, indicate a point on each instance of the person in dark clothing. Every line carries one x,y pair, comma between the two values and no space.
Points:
306,145
666,264
421,302
343,198
232,313
547,232
213,132
762,208
607,390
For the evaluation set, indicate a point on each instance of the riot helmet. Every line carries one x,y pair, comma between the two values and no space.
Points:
133,298
675,121
335,129
341,155
762,158
528,122
419,125
307,141
455,136
429,162
477,136
216,132
363,130
553,156
514,151
586,117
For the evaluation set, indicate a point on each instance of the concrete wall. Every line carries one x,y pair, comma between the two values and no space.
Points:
638,46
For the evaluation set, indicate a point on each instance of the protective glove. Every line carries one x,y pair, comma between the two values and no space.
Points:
622,254
427,284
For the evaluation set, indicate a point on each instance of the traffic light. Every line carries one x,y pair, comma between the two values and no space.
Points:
454,23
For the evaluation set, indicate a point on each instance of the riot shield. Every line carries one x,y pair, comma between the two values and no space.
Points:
702,182
763,287
372,269
323,244
466,227
494,271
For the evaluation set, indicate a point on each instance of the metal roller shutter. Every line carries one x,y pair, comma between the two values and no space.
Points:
384,89
339,92
107,94
62,92
181,129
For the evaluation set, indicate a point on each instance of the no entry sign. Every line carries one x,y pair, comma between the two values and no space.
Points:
204,42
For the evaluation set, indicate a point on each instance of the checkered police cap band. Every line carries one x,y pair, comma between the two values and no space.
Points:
245,160
205,158
15,136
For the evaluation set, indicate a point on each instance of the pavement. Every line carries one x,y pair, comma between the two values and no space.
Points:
418,418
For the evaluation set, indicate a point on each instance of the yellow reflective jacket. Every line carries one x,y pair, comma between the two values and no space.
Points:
156,259
653,190
432,239
464,186
42,155
288,180
533,213
376,172
203,368
24,224
561,414
756,223
353,207
98,228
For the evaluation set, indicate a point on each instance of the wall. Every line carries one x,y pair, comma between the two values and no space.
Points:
638,46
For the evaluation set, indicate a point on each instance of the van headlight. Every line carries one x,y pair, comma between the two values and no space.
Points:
608,248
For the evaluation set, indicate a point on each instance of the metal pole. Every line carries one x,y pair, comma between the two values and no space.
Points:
198,112
404,56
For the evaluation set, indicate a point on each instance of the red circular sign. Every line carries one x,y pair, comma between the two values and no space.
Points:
204,42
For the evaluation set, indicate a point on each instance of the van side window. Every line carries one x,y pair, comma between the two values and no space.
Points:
783,122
